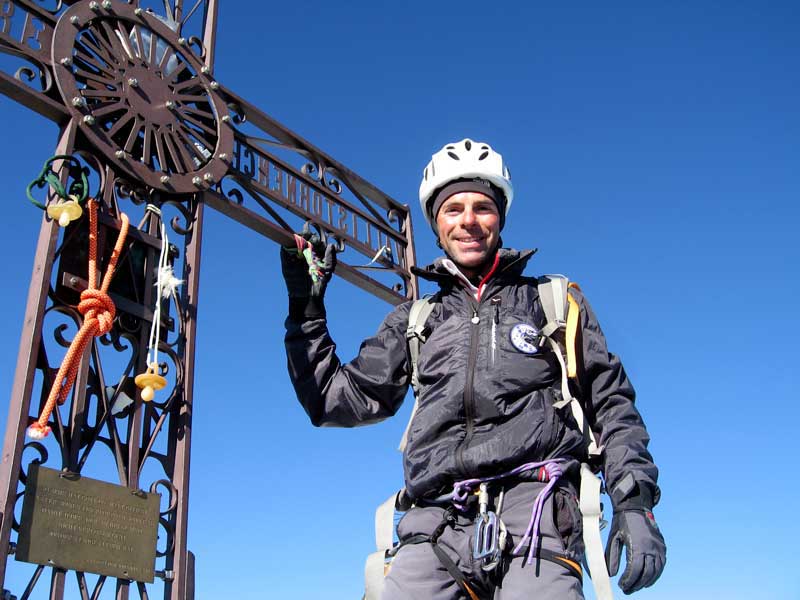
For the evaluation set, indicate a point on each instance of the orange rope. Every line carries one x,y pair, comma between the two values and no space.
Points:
98,311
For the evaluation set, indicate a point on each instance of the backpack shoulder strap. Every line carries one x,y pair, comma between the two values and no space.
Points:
553,296
415,334
415,337
562,312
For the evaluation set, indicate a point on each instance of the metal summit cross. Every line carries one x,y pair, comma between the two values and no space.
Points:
156,136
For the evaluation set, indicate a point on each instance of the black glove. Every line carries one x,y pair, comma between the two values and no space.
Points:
645,550
306,293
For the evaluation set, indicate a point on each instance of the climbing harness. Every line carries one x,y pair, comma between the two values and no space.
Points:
490,531
562,314
98,310
166,283
66,207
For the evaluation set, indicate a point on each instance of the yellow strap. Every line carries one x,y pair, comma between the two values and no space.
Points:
573,317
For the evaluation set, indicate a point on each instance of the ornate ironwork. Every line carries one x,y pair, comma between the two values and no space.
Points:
131,85
142,96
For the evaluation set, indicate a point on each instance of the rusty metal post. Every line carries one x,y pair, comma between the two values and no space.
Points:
180,435
27,359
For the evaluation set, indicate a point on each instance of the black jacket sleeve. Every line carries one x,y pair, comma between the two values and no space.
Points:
367,390
628,467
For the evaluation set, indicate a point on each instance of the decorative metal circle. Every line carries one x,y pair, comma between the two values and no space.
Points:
140,95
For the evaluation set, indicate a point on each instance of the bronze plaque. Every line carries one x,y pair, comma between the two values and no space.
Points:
78,523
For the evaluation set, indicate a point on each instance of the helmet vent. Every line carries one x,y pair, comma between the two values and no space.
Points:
483,155
451,147
468,145
453,155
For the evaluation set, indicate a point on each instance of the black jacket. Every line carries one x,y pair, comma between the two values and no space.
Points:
484,407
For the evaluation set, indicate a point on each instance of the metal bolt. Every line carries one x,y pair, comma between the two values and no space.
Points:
208,177
165,179
89,120
74,19
94,6
120,154
107,4
182,41
66,61
214,85
169,104
138,11
205,69
223,156
196,180
78,101
73,281
226,118
133,82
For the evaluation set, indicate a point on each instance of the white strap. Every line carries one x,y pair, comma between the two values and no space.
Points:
574,404
404,439
375,569
374,575
384,523
553,296
591,512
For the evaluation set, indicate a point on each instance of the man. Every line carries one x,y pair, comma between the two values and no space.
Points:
492,450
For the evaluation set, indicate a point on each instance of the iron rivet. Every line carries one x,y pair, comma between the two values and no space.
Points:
205,69
196,180
66,61
78,101
169,104
94,6
74,19
208,177
165,179
226,118
107,4
138,11
89,120
120,154
223,156
214,85
133,82
182,41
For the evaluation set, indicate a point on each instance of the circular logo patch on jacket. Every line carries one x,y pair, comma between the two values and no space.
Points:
524,337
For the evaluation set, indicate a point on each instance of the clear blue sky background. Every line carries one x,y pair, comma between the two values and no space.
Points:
654,150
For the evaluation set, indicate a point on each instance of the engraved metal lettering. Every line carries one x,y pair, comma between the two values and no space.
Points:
88,525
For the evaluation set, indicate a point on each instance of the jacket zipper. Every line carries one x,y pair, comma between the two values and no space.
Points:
495,322
469,401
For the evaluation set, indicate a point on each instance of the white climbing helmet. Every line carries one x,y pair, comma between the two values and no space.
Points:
464,160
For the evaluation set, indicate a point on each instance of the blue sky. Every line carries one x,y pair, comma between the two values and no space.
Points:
654,151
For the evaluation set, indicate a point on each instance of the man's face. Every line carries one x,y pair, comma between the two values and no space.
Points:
469,229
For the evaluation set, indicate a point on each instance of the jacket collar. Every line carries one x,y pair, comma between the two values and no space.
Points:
512,262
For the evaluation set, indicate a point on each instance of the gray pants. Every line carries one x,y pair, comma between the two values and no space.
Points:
418,574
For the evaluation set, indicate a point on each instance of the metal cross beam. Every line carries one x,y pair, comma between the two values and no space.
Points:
132,87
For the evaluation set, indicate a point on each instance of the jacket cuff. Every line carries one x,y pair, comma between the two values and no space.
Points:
306,309
630,494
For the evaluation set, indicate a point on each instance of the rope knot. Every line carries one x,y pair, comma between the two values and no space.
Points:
96,304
